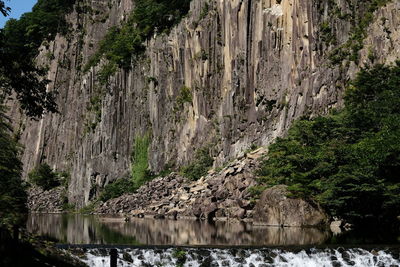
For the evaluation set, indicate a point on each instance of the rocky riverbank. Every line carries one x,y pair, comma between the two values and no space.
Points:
50,201
221,195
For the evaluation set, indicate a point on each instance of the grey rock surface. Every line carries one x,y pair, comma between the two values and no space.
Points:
274,208
50,201
220,195
264,65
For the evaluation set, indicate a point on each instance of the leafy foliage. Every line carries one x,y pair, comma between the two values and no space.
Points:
180,256
5,10
140,157
140,172
19,42
348,161
201,164
185,96
123,43
12,192
359,25
116,189
44,177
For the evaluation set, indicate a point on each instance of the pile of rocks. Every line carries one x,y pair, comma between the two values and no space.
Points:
219,195
222,195
50,201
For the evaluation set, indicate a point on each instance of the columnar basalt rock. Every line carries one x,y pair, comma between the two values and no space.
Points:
252,68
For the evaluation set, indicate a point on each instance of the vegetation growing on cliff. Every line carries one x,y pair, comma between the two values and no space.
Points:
19,42
116,189
140,172
200,165
348,161
44,177
140,161
360,16
123,43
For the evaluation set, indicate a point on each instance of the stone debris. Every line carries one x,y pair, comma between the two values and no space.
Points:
50,201
220,195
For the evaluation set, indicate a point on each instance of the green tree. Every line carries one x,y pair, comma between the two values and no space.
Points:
5,10
140,161
12,190
19,42
348,161
44,177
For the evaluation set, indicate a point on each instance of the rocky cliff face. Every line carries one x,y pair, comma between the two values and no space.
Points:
252,67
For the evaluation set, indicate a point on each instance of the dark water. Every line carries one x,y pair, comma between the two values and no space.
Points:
81,229
219,244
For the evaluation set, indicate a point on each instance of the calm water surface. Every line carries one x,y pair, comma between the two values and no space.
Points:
82,229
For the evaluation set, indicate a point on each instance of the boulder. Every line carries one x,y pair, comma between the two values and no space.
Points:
274,208
335,226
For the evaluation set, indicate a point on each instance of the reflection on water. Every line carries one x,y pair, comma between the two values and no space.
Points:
81,229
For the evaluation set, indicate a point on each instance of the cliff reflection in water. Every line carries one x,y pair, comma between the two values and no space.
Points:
81,229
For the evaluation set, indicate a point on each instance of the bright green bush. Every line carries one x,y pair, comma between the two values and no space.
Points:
140,161
44,177
348,161
200,165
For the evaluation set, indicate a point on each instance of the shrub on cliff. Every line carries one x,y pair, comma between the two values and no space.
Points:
123,43
200,165
348,161
140,161
44,177
116,189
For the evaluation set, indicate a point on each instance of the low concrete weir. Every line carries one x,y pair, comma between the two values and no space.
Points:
161,256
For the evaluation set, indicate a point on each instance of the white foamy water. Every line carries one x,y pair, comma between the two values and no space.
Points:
247,257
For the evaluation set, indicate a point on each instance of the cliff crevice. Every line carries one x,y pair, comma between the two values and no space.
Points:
251,67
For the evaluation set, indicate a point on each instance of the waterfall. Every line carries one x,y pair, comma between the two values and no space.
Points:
246,257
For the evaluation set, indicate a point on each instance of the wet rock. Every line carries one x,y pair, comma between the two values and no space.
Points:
215,197
225,263
208,262
159,216
276,209
127,257
335,227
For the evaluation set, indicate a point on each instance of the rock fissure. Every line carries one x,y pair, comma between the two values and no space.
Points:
253,67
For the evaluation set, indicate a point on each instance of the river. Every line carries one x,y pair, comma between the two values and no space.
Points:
149,242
